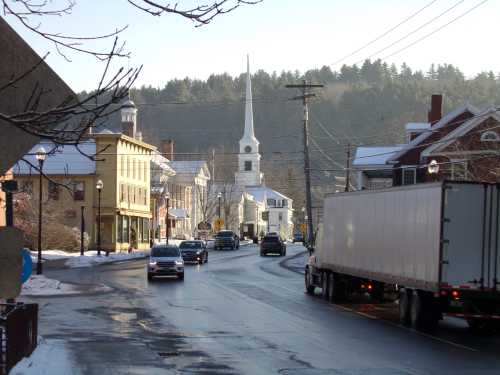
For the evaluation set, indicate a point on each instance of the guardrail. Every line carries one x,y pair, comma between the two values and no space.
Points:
18,333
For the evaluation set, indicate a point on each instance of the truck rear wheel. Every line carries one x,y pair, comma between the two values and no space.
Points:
332,295
324,286
404,307
424,316
309,286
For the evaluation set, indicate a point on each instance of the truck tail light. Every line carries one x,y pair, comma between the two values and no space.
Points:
455,294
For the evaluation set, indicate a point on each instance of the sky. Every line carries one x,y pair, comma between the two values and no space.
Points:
277,34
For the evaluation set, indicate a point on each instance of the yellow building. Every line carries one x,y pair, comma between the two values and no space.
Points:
122,164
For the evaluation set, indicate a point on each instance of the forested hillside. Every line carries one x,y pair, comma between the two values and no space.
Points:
359,105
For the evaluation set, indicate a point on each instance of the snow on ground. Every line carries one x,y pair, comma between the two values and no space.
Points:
91,258
39,285
51,357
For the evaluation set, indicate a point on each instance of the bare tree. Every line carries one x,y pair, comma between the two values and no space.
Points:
69,120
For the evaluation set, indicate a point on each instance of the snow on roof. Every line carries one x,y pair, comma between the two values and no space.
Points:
441,123
105,131
158,160
375,155
415,126
178,213
65,160
261,193
187,166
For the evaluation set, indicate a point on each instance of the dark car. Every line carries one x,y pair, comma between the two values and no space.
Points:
194,251
298,237
226,239
272,245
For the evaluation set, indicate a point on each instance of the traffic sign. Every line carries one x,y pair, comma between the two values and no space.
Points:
27,265
218,224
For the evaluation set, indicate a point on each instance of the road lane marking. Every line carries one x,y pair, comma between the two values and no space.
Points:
373,317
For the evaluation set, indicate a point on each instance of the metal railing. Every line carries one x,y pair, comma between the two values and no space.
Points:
18,333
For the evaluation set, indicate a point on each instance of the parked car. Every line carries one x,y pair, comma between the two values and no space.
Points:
298,237
225,239
165,260
194,251
272,245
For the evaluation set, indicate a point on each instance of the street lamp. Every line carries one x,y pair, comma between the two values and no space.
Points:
99,185
41,154
219,196
167,224
433,169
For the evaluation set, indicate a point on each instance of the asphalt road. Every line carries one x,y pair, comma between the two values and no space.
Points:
244,314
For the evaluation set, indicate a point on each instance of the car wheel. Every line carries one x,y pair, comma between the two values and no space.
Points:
150,277
180,277
206,258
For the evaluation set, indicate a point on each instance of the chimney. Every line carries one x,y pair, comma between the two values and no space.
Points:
436,112
167,149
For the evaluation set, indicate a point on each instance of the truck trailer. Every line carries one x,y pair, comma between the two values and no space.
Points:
434,246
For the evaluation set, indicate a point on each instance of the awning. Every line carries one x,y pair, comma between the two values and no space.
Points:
178,213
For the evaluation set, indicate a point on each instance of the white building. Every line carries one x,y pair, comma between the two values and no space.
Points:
258,200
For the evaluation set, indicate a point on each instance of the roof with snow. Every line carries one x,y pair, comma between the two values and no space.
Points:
60,160
188,166
417,126
375,155
438,125
261,193
158,160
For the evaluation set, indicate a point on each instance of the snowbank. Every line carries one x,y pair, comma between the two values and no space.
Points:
51,357
91,258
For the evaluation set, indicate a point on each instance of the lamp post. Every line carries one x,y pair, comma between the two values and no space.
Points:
41,154
167,223
219,196
433,169
99,185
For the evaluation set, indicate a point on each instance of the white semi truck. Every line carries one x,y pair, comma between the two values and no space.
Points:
434,245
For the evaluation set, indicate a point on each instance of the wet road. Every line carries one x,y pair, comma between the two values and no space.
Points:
243,314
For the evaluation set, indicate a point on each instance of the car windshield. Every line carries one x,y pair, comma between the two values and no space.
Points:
225,234
165,251
190,245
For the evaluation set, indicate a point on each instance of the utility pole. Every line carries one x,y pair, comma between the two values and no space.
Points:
348,168
82,230
304,87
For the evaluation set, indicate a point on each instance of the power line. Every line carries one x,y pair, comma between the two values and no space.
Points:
385,33
436,30
415,30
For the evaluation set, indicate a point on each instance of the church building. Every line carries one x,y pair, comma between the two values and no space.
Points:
263,209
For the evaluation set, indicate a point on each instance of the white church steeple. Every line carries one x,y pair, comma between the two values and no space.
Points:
249,158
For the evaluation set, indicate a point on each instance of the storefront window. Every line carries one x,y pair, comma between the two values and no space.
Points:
145,228
125,237
119,228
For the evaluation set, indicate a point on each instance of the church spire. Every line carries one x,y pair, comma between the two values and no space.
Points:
249,133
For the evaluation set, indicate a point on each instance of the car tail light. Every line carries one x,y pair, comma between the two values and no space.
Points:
455,294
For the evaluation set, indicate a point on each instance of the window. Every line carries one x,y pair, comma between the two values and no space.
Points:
53,191
79,190
128,166
125,237
27,187
285,203
280,216
119,228
122,193
140,229
490,136
145,230
409,176
459,171
271,202
133,168
248,165
122,165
